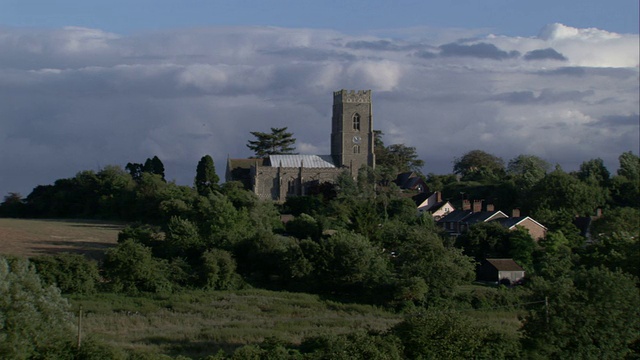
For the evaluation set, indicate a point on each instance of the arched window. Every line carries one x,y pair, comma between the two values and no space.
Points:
356,149
356,121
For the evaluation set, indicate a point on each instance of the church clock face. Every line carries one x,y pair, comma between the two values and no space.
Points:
357,139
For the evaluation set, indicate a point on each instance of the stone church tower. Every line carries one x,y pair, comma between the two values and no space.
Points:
352,136
278,177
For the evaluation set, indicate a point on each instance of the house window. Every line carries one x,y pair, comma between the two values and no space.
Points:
356,149
356,122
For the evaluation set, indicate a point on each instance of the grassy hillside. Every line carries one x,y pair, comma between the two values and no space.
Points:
21,237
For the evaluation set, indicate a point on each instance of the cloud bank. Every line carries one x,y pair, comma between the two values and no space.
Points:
75,99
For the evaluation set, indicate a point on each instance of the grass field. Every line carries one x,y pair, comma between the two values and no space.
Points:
22,237
199,323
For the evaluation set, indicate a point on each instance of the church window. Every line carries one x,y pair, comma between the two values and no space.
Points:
356,121
356,149
291,187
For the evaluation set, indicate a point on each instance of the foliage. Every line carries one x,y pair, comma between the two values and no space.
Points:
437,334
356,345
399,157
13,206
71,273
278,142
206,180
303,227
479,165
561,191
592,314
423,256
348,262
218,270
527,170
34,319
131,268
594,172
492,240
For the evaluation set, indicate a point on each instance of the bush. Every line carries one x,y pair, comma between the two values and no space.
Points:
71,273
132,268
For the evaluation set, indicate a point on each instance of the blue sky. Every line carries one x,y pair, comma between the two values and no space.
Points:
509,17
84,84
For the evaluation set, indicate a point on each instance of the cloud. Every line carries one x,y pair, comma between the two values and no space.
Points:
542,54
77,99
480,50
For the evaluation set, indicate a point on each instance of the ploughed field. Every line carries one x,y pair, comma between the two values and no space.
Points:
26,237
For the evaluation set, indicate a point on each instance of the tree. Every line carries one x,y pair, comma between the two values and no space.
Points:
527,170
593,314
154,166
399,157
278,142
206,178
629,166
561,191
34,319
594,172
479,165
131,267
437,334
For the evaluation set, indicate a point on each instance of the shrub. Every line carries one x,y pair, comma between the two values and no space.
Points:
71,273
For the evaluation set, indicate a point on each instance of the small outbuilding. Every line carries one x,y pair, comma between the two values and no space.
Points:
503,271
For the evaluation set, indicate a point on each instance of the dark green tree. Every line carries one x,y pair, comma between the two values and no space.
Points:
71,273
206,178
278,142
399,157
437,334
154,166
527,170
561,191
593,314
594,172
131,267
479,165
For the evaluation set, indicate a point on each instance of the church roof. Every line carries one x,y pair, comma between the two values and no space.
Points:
306,161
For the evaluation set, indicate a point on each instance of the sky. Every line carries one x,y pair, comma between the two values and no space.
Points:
85,84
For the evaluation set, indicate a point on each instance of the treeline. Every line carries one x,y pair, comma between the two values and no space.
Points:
360,240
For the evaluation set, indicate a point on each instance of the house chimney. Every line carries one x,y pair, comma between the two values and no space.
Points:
438,196
490,207
477,206
466,205
515,213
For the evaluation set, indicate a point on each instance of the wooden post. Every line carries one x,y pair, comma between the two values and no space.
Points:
79,326
546,308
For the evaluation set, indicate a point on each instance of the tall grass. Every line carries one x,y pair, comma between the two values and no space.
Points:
199,323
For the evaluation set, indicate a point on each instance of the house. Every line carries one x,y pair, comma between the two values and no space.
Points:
433,204
458,221
503,271
535,229
410,181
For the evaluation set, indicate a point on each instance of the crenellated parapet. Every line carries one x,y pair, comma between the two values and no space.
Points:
351,96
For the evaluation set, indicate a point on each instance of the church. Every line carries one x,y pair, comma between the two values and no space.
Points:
278,176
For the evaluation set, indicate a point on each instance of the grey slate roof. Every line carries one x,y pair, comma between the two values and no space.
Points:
306,161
